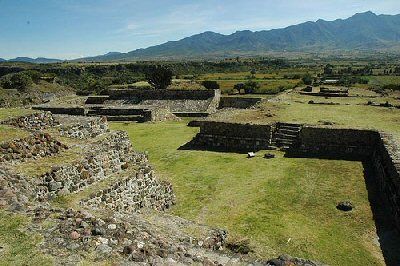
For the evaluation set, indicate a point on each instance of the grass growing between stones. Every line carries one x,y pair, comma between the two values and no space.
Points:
282,205
6,113
18,247
8,133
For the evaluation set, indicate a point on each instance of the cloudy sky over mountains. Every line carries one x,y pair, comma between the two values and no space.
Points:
70,29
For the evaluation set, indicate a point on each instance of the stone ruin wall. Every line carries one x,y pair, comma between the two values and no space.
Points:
238,102
36,121
34,146
105,157
132,194
71,110
232,136
178,101
82,127
337,142
153,94
386,162
109,156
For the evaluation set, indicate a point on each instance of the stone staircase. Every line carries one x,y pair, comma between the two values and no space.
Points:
286,135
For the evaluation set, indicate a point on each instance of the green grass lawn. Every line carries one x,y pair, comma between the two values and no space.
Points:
6,113
282,205
18,246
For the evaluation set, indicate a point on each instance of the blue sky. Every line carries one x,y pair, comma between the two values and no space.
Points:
75,28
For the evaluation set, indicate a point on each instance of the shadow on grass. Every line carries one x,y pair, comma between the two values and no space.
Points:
192,145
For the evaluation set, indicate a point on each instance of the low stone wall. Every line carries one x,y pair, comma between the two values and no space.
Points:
337,142
72,110
133,193
82,127
110,155
235,129
178,106
238,102
35,146
153,94
36,121
231,136
100,99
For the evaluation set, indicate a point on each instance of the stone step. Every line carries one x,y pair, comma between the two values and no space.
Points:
286,136
284,141
288,125
288,131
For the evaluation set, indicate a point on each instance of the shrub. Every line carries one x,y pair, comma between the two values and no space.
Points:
19,81
159,77
210,85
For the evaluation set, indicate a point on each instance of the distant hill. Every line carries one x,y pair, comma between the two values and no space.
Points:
363,32
39,60
2,60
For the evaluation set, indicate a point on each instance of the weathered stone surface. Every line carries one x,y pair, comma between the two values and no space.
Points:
36,121
82,127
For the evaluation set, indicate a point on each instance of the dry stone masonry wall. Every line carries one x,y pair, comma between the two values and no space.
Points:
82,127
238,102
134,193
232,136
354,144
36,121
34,146
106,157
386,163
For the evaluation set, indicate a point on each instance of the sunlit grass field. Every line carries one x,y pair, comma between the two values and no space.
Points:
282,205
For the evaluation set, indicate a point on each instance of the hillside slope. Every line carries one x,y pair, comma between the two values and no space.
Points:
364,31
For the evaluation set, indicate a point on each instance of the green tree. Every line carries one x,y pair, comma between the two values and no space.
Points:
159,77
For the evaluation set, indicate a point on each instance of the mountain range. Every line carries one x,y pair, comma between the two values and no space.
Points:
366,32
38,60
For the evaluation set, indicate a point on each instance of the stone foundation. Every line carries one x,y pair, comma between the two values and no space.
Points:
238,102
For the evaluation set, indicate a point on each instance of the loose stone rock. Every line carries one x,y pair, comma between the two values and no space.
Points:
345,206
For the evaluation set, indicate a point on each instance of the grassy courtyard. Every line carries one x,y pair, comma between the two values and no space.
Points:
282,205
